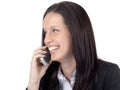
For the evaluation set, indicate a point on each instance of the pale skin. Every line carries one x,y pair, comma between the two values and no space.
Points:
57,36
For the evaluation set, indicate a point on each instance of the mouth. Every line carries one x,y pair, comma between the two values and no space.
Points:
53,49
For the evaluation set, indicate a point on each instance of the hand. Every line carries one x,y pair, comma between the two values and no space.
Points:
37,70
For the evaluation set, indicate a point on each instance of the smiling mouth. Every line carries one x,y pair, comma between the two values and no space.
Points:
53,48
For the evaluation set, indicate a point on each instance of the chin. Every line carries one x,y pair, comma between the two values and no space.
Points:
56,59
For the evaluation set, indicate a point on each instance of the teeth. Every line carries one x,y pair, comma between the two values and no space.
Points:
52,48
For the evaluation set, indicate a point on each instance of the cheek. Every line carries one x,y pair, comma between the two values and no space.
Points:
64,41
66,44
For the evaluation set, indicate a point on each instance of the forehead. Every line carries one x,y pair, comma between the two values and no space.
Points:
53,19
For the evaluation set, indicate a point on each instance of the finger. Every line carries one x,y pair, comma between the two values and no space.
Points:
38,56
41,48
39,52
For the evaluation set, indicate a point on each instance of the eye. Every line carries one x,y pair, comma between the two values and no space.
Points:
55,30
44,32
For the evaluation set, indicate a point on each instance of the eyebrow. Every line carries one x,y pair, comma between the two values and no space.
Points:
54,27
58,27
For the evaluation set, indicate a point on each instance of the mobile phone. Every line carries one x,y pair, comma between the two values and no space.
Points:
45,60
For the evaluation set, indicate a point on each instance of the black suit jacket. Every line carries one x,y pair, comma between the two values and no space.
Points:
107,77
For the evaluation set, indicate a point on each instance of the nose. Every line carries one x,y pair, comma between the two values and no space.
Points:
48,39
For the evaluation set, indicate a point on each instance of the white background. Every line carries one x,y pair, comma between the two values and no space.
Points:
20,34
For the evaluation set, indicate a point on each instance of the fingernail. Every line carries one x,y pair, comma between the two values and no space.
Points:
42,56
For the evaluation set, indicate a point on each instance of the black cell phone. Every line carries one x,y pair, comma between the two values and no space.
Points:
45,60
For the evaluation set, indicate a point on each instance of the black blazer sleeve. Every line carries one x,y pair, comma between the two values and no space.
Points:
108,76
112,80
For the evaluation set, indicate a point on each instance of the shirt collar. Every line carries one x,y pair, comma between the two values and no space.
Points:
62,77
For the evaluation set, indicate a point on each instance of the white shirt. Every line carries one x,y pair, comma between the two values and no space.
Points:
64,83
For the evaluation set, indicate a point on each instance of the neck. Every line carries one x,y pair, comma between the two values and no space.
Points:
68,67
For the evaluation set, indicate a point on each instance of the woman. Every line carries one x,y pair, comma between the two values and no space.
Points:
73,62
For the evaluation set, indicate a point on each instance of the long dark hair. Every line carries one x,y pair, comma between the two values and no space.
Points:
83,46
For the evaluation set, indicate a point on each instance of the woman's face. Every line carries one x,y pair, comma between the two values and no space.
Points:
57,37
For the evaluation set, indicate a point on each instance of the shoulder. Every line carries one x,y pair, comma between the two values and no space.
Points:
107,68
108,75
104,66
